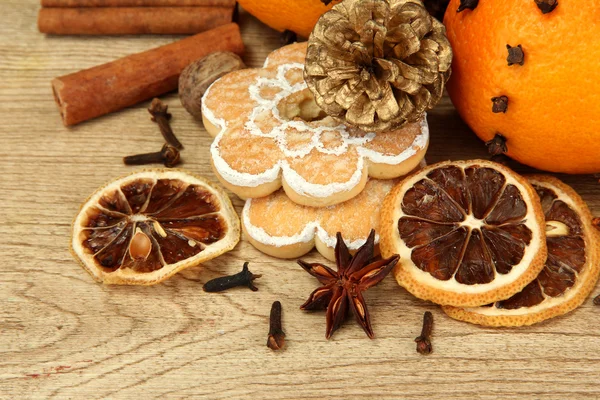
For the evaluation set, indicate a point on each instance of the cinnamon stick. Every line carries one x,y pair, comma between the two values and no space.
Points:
137,3
131,20
110,87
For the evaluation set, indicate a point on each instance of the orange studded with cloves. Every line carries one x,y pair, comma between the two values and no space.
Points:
538,62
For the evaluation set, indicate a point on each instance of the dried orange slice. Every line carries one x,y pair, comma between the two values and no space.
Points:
145,227
468,233
571,270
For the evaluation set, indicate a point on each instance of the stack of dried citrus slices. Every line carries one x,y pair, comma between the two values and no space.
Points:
145,227
492,247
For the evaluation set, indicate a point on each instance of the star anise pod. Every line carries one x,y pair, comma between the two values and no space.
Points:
344,289
377,64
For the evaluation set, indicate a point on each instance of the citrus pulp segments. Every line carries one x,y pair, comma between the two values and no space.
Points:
179,207
562,301
448,290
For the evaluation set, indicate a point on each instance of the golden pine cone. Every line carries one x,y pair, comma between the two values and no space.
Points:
377,64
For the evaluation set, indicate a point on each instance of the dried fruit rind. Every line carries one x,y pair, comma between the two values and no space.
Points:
468,233
571,270
147,226
270,133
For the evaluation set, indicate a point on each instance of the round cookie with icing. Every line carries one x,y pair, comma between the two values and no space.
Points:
269,133
281,228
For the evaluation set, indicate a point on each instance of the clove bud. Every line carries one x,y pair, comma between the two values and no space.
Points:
470,4
546,6
242,278
276,338
497,145
515,55
499,104
424,340
161,116
168,155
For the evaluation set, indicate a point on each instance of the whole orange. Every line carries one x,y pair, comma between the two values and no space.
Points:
298,16
552,121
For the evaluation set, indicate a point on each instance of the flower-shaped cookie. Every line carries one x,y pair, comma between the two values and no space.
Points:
281,228
269,133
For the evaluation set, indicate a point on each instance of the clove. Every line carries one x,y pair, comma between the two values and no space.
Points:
546,6
276,338
424,341
159,113
470,4
515,55
168,155
497,145
597,300
499,104
242,278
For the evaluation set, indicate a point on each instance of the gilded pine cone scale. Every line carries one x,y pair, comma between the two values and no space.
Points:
377,64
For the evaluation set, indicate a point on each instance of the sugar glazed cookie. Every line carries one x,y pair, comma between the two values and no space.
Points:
281,228
270,133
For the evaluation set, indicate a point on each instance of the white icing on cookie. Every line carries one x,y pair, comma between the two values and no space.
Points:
266,109
277,214
420,142
306,235
229,174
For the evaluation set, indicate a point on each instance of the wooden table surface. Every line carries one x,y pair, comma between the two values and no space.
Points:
62,335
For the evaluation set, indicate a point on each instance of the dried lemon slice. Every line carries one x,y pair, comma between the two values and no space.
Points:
145,227
571,270
468,233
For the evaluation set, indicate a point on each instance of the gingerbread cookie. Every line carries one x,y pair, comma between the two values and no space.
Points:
281,228
270,133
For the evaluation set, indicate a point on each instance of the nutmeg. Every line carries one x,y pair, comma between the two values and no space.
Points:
199,75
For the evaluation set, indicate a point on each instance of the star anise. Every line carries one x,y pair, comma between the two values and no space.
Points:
343,289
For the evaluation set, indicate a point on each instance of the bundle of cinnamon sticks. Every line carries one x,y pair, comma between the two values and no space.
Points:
100,90
133,17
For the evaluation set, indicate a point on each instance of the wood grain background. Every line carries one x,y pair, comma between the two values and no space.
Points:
64,336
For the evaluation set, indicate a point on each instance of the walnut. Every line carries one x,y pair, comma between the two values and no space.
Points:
199,75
